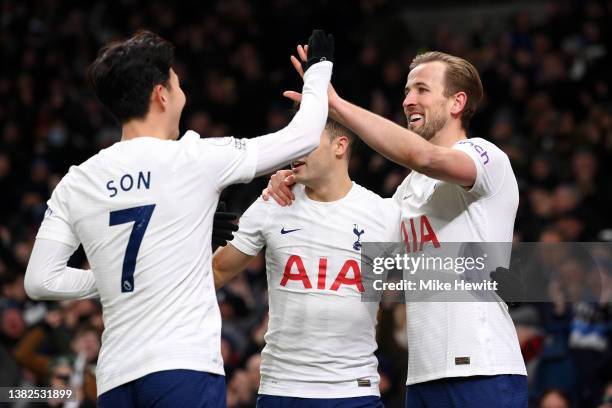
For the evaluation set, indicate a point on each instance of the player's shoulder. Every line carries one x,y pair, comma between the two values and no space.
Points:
96,160
261,207
74,178
485,149
113,156
360,192
480,144
78,170
192,137
369,197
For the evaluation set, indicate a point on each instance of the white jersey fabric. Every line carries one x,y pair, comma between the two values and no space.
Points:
321,337
457,339
166,192
143,211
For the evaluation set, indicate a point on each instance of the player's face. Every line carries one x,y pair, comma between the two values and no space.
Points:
314,166
425,106
176,102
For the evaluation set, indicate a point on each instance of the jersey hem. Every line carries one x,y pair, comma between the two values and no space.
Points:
325,390
440,376
105,386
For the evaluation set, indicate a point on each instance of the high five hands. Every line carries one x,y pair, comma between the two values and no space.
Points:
320,48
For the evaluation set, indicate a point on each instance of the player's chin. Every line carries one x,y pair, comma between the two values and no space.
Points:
415,126
299,175
418,129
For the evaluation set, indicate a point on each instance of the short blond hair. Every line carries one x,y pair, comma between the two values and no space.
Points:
460,76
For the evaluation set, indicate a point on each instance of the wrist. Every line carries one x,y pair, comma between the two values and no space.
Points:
322,71
337,108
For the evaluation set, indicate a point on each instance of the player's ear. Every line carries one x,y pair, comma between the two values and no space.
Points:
159,96
459,101
341,145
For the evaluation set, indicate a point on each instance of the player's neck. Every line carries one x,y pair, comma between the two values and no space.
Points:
330,189
139,128
450,134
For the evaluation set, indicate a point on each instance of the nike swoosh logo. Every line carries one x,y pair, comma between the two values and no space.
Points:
284,231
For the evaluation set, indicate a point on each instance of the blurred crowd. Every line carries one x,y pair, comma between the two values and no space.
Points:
547,105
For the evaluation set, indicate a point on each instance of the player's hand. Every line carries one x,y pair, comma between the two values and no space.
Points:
223,226
332,96
510,286
279,188
320,48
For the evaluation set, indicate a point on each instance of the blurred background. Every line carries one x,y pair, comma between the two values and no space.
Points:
545,67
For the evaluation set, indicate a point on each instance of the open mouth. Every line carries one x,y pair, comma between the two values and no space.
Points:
415,119
297,164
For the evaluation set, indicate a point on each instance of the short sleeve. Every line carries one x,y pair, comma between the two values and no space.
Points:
56,225
401,190
250,239
227,160
397,196
491,165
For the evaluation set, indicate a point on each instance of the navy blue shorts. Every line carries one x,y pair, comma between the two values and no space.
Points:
500,391
274,401
170,388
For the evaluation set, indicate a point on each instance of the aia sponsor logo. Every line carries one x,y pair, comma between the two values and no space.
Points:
296,271
417,232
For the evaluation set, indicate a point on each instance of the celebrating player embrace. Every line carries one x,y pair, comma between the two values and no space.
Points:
462,190
143,211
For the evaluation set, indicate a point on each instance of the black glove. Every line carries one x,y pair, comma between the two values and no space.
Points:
223,226
320,48
510,286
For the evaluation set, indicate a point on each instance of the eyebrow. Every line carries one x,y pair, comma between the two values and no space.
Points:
416,84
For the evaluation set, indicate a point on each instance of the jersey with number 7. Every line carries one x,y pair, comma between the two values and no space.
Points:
142,210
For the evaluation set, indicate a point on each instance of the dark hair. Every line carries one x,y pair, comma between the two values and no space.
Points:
460,76
125,73
335,129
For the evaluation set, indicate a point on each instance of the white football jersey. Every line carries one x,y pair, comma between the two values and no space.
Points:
143,210
321,337
457,339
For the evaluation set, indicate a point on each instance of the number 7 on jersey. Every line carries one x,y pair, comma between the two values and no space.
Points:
140,216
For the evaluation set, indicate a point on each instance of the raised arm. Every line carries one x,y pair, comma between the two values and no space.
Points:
228,262
405,147
396,143
303,133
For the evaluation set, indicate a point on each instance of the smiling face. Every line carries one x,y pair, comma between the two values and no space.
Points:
427,109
